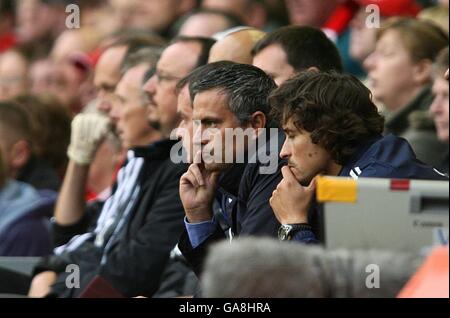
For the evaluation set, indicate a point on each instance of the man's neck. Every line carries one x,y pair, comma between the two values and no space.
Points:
333,169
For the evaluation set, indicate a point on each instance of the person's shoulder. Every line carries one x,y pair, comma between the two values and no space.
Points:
393,157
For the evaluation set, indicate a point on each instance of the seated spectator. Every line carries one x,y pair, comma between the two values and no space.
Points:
235,45
440,106
263,268
207,22
17,144
332,127
41,76
71,78
128,110
48,118
290,50
37,24
13,74
24,218
252,12
400,78
226,199
363,36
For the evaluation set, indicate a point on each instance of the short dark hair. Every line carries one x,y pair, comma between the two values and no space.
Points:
15,120
205,44
337,110
246,87
305,47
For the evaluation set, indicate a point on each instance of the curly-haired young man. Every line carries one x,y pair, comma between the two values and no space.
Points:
333,128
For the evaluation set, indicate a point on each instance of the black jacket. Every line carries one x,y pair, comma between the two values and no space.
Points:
249,214
138,255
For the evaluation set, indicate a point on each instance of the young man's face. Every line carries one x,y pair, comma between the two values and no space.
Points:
211,110
273,61
305,159
439,108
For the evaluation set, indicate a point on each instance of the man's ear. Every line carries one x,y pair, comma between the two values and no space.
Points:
258,120
20,154
313,69
422,71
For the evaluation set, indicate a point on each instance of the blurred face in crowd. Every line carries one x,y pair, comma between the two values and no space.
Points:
362,38
212,111
34,20
395,78
13,75
156,15
273,61
250,12
41,76
107,75
305,159
236,7
310,12
129,111
439,108
185,128
66,83
176,62
204,24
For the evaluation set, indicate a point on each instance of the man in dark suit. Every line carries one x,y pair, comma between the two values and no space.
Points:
225,198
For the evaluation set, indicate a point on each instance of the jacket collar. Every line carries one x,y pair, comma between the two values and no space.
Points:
157,150
359,153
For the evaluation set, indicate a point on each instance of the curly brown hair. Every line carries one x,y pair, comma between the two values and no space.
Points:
337,110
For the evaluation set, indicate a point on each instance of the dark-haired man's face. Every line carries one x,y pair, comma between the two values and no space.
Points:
305,159
273,61
176,62
212,116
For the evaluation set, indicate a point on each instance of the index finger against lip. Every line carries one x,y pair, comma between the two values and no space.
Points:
194,169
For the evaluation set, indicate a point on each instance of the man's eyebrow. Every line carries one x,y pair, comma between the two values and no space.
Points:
215,119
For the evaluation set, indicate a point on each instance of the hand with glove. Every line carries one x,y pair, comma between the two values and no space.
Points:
88,131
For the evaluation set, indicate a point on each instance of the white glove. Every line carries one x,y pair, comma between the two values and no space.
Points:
88,131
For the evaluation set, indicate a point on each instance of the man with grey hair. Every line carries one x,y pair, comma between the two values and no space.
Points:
265,268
